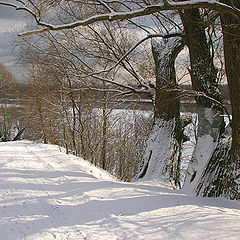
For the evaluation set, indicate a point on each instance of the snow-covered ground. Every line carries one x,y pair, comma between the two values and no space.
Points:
46,194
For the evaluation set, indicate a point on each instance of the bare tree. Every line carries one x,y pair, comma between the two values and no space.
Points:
99,11
9,127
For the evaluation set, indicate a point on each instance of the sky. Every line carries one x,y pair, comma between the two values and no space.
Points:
10,20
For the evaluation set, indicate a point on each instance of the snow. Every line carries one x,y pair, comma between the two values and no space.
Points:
209,125
46,194
160,148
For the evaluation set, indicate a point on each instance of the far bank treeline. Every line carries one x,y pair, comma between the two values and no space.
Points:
13,91
85,121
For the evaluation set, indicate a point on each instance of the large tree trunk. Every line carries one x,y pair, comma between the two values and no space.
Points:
204,79
231,41
162,156
222,177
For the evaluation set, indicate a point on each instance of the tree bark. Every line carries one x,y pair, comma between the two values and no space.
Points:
231,41
223,175
203,73
204,79
163,151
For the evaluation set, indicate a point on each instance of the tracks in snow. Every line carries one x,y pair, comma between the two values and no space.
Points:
47,195
46,202
57,216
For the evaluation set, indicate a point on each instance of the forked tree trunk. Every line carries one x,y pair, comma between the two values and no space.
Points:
162,156
204,79
222,177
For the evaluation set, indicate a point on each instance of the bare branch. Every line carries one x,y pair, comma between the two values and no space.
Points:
136,45
201,94
106,6
21,8
150,9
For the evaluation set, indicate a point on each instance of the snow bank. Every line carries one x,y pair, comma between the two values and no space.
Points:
46,194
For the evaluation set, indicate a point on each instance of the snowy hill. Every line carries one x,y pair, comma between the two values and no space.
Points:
46,194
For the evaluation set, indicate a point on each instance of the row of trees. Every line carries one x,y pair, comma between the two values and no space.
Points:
56,112
9,124
93,40
48,108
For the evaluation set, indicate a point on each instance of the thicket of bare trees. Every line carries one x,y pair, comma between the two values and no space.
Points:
10,128
86,125
90,39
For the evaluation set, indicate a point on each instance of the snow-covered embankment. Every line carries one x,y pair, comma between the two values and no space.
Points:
46,194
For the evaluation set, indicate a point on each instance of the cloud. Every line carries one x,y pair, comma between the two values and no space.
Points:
8,60
4,40
8,25
10,14
5,52
5,48
10,21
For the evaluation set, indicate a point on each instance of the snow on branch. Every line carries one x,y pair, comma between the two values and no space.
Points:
106,6
177,34
202,94
20,8
150,9
122,85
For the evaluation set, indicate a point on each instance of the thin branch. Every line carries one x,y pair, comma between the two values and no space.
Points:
122,85
22,2
211,4
21,8
130,68
201,94
218,103
150,36
96,89
106,6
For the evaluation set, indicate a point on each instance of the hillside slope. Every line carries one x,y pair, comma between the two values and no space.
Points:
46,194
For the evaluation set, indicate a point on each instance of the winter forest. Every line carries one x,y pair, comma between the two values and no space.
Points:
133,87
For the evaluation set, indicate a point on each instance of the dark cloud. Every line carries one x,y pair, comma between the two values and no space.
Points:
7,56
5,52
4,40
8,18
10,13
5,45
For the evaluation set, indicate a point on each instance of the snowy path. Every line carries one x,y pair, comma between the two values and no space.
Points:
46,194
